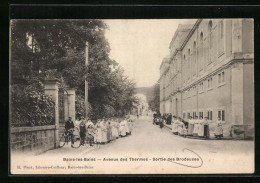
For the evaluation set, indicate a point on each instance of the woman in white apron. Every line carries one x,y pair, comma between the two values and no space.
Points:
104,131
122,129
98,132
126,127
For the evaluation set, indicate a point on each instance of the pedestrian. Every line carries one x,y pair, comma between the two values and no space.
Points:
161,124
130,126
108,126
90,134
78,121
219,129
113,129
82,129
205,128
104,131
98,132
69,128
117,125
122,129
127,131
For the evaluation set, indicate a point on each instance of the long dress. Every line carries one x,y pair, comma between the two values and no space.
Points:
174,126
98,133
190,127
108,132
130,126
201,129
122,129
126,127
117,129
104,132
113,130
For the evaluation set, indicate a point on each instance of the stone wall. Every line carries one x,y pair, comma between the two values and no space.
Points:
36,139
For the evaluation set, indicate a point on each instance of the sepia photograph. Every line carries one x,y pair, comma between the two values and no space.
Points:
132,96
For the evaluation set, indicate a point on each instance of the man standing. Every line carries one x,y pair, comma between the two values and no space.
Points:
69,128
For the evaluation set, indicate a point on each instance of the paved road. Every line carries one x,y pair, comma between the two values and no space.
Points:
147,137
149,141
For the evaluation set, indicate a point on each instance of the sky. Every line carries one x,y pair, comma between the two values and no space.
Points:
139,46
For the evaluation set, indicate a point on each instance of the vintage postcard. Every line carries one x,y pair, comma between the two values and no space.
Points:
132,96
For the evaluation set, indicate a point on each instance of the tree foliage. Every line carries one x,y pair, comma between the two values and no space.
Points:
154,103
56,48
31,107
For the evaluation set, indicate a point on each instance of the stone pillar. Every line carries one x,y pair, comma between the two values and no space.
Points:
236,35
237,93
69,104
51,89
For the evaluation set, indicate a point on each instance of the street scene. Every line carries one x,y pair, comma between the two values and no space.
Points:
147,137
97,96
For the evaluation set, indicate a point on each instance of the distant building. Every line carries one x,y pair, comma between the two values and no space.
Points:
142,108
210,71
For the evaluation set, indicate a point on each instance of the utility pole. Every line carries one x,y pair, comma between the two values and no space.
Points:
86,82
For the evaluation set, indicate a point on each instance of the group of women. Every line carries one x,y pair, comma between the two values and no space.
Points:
104,130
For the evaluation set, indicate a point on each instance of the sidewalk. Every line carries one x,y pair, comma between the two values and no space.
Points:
200,138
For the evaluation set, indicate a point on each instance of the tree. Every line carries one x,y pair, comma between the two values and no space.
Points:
154,103
56,48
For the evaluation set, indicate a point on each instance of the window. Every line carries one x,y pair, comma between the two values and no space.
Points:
210,115
200,52
184,68
221,78
209,42
210,34
188,115
200,87
189,65
221,114
201,114
210,85
194,114
220,37
194,59
184,115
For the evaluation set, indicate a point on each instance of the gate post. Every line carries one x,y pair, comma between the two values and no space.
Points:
69,103
51,89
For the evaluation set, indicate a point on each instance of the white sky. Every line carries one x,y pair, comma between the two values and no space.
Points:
140,45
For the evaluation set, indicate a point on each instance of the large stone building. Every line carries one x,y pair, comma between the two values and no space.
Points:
210,72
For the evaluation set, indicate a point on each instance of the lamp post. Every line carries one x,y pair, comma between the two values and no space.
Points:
86,82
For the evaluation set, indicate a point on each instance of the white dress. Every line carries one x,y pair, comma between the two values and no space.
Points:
98,133
122,131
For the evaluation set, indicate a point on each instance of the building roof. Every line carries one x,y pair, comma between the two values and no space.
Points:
165,60
181,28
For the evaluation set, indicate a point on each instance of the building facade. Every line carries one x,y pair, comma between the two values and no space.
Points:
210,72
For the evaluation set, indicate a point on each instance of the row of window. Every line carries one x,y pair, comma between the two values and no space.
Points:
201,86
209,115
206,52
209,84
